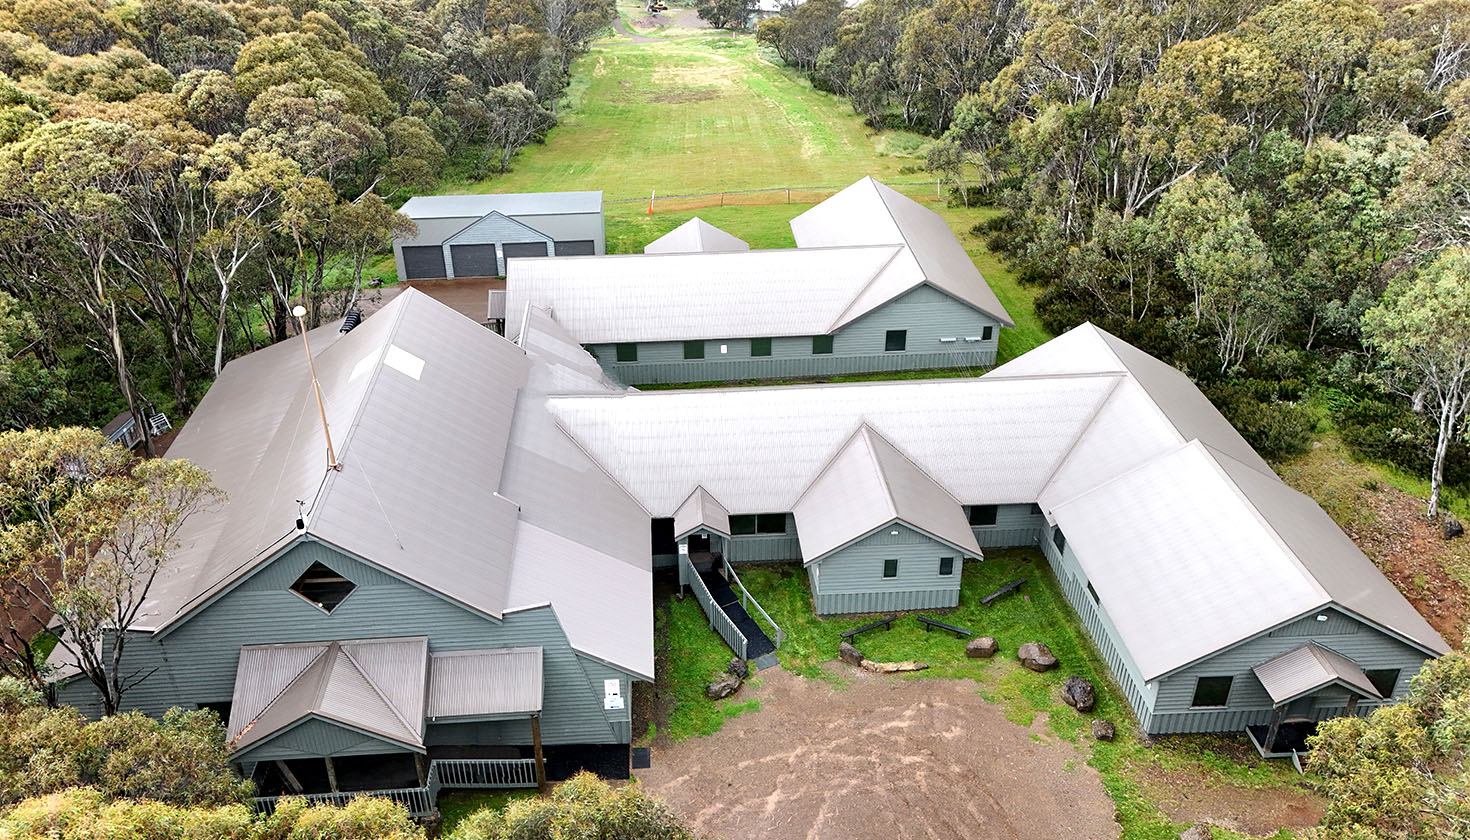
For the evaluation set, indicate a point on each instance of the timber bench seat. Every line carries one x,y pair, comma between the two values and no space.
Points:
930,624
1002,592
885,623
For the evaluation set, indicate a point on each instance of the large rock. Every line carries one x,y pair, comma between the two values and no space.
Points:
1036,656
738,667
1452,527
892,667
1104,730
722,688
849,654
981,648
1079,694
1198,832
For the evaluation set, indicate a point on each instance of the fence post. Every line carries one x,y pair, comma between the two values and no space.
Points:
788,195
722,199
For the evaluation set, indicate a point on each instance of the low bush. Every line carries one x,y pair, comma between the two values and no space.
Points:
581,807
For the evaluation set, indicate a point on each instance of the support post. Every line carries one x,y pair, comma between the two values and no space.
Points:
540,759
331,774
421,764
291,780
1276,718
1352,705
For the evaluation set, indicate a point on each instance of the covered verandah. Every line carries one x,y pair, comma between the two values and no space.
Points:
1307,684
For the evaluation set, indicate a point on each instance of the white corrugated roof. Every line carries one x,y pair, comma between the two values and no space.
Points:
696,236
510,204
867,485
701,510
684,297
1306,668
494,682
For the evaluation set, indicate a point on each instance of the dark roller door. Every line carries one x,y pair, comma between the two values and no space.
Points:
525,249
423,261
575,248
473,260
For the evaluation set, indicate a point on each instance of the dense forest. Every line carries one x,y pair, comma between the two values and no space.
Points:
176,174
1275,196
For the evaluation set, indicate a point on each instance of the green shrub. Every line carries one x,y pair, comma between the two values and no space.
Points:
581,807
1275,428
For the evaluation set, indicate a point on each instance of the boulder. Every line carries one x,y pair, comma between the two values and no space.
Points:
1452,527
738,668
849,654
722,688
1079,694
892,667
1103,730
1036,656
1198,832
981,648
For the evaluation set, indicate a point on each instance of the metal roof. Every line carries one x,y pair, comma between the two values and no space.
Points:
869,212
701,510
1304,669
496,682
372,685
695,236
867,485
510,204
651,297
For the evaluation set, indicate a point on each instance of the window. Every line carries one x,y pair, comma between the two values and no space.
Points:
821,345
323,587
1035,509
627,352
757,523
1212,691
982,515
890,568
895,341
740,525
986,333
694,349
1058,540
946,566
1384,680
1093,593
760,347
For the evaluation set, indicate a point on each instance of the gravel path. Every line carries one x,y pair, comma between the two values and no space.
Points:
880,759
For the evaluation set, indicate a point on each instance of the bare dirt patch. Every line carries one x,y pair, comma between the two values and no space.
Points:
880,758
675,96
1189,797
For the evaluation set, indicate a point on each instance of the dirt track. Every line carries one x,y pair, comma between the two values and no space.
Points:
884,759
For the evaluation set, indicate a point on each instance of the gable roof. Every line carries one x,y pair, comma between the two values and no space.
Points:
695,236
701,510
510,204
867,485
869,212
1309,667
530,232
373,685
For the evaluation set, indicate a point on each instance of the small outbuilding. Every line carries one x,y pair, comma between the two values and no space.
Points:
474,235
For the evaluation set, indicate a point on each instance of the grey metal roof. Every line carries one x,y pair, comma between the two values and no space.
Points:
701,510
695,236
495,682
867,485
869,212
510,204
649,297
372,685
1306,668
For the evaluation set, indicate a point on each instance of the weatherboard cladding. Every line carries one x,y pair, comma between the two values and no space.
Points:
1015,526
851,578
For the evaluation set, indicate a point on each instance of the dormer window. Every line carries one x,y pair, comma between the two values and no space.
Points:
323,587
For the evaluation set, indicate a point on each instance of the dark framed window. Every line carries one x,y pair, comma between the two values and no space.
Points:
1093,593
694,349
770,523
1212,691
1058,539
986,333
760,347
1384,679
890,567
895,341
983,514
742,524
627,352
821,345
946,566
323,587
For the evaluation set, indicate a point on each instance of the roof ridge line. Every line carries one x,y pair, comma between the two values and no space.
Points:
352,660
868,433
842,319
827,464
1051,477
320,692
272,702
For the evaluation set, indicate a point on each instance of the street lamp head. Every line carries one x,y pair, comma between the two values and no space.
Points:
299,311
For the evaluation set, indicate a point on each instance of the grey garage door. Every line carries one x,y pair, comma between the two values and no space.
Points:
473,260
525,249
575,248
423,261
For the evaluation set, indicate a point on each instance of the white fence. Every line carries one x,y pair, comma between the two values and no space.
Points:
718,621
444,774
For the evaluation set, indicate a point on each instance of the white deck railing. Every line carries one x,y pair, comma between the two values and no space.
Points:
747,599
718,621
450,773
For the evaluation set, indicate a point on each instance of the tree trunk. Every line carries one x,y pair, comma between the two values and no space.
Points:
1441,447
124,381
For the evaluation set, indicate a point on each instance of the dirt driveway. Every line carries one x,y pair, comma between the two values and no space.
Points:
881,758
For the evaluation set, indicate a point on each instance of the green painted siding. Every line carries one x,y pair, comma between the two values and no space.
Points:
851,579
314,739
926,313
765,548
1015,526
196,663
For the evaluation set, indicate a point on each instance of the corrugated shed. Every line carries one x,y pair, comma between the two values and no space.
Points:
701,510
867,485
484,683
510,204
653,297
695,236
1307,668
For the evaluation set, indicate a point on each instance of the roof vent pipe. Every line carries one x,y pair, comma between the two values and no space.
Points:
352,319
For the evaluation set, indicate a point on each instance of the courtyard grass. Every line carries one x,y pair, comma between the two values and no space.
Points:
695,656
